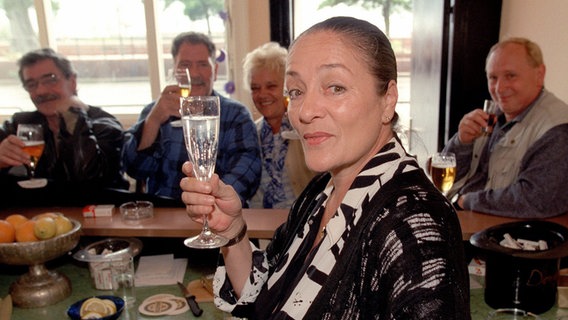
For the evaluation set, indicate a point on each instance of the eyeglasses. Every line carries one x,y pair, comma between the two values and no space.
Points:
48,80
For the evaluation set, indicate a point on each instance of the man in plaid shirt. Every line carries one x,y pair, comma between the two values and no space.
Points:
155,150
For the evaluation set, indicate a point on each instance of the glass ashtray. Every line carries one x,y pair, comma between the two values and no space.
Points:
136,210
510,314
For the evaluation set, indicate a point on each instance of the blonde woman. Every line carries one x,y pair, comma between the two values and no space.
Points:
284,170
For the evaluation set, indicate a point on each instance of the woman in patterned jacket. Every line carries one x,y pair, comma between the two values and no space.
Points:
370,237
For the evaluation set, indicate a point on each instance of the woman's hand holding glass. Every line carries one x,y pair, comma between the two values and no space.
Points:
213,199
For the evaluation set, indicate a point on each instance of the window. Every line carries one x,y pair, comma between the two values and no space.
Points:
307,13
121,69
107,44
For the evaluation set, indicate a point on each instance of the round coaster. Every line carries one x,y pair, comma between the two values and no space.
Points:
163,304
33,183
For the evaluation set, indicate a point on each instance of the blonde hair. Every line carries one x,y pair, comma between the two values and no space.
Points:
270,56
534,54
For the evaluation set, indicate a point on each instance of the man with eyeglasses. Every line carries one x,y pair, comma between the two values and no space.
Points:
82,143
155,149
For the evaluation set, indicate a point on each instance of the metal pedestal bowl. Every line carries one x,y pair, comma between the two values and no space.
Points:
39,287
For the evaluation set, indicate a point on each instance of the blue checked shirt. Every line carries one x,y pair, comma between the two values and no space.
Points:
238,161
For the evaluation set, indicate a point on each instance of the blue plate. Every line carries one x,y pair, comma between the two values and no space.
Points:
74,310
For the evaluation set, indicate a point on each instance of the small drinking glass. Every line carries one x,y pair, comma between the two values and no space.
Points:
122,274
443,170
490,108
200,118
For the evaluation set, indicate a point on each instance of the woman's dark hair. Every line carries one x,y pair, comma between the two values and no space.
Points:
371,44
35,56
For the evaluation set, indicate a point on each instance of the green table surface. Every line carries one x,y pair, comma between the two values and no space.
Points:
83,287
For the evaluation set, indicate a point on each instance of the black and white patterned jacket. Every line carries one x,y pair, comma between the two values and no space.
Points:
392,251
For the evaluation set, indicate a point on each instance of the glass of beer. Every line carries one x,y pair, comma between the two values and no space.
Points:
32,136
182,78
184,81
490,108
443,170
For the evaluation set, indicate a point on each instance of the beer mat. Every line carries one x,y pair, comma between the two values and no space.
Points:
163,304
33,183
197,289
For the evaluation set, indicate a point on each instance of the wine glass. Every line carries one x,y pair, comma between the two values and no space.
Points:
443,170
490,108
200,119
183,80
32,136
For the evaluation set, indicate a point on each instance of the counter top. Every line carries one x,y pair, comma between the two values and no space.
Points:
167,222
472,222
174,222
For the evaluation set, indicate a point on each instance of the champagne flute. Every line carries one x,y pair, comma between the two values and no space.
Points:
200,119
490,108
32,136
443,170
183,80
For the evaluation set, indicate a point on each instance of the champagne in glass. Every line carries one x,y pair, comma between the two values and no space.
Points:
32,136
200,119
443,170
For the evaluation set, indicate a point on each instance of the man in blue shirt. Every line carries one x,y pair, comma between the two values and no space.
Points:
155,150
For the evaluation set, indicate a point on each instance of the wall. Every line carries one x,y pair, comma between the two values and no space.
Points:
251,19
544,22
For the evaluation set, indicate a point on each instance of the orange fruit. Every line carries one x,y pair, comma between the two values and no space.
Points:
62,225
47,214
16,219
25,232
45,228
7,232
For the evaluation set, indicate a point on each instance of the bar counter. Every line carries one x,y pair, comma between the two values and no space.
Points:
166,223
174,222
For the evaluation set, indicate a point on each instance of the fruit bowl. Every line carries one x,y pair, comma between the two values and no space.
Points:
39,287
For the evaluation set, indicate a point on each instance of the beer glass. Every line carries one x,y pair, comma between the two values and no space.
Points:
32,136
181,77
443,170
490,108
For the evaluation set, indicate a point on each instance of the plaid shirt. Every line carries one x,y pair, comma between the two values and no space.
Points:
238,161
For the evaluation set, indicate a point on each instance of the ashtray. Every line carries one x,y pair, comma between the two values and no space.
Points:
136,210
